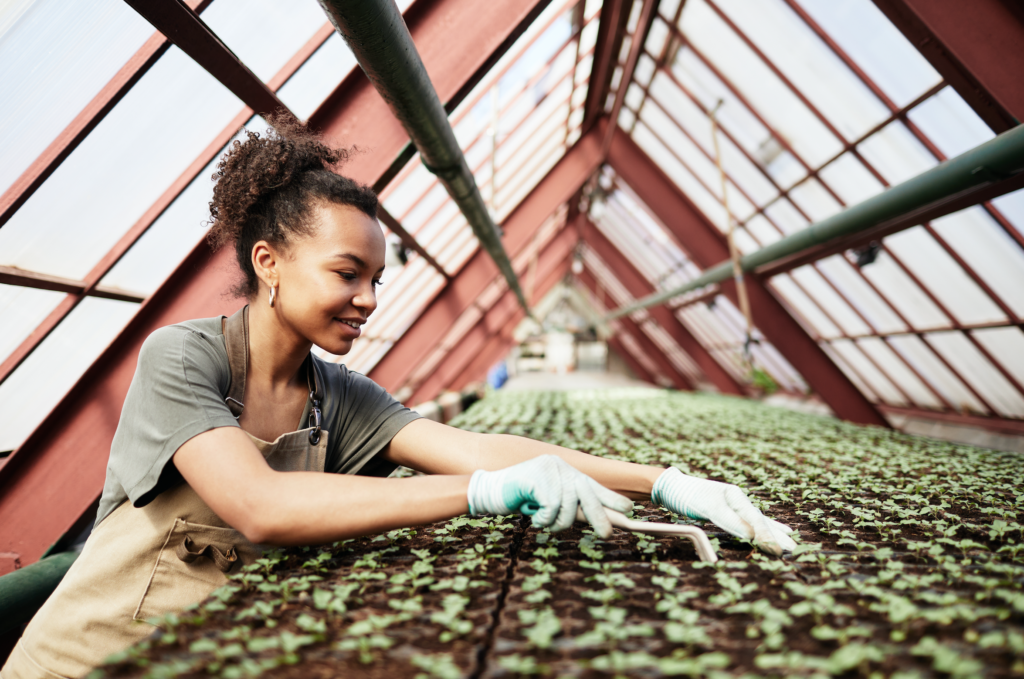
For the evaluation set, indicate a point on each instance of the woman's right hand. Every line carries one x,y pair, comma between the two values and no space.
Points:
548,488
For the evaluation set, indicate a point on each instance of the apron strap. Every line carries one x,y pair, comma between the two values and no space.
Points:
188,552
236,338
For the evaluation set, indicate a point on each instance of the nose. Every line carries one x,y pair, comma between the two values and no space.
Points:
365,298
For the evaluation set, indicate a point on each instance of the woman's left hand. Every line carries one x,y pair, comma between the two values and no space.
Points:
725,505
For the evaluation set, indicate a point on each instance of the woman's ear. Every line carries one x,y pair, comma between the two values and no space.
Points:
264,262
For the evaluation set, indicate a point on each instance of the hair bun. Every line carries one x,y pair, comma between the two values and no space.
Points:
254,169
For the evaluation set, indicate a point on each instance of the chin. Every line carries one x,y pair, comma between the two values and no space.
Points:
338,348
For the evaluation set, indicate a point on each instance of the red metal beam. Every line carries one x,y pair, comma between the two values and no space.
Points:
628,327
638,286
648,11
975,46
551,267
555,189
184,28
12,275
54,477
612,26
706,246
84,123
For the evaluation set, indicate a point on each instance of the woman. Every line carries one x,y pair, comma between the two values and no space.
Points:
230,423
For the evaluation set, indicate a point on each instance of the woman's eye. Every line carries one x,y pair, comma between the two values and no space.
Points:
377,283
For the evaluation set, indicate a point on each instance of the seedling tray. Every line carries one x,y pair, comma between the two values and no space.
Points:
910,563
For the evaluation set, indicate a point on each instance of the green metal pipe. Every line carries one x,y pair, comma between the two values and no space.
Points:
380,40
25,590
995,160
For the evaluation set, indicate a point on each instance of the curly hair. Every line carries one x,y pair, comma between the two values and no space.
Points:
266,186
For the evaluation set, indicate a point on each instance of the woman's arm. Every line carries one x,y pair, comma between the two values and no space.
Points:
305,508
435,448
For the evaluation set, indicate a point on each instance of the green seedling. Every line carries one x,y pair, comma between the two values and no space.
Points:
522,665
365,636
451,617
542,626
610,628
439,666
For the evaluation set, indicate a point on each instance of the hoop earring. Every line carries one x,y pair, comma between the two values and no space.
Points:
273,294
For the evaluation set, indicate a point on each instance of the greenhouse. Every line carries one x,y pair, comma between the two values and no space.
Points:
655,338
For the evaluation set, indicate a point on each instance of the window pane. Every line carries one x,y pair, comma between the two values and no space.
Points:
940,273
119,171
809,64
989,250
775,102
918,354
32,391
975,368
55,56
317,78
1007,345
264,34
863,32
867,370
22,309
898,372
950,123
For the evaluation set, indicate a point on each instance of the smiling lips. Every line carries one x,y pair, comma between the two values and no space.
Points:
352,325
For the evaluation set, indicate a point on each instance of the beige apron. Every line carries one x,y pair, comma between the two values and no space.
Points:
145,562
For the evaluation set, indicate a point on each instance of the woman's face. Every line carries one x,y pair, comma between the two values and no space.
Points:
327,279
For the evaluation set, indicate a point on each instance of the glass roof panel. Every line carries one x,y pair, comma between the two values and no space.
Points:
740,66
55,56
904,295
919,354
940,274
119,170
1006,345
850,180
22,310
831,302
859,294
264,34
797,298
318,77
989,251
808,63
950,123
896,153
28,395
1012,206
850,373
173,234
986,380
889,362
869,372
864,33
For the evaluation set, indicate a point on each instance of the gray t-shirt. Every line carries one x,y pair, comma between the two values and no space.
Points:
178,392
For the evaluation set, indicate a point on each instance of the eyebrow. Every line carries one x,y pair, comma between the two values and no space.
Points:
357,260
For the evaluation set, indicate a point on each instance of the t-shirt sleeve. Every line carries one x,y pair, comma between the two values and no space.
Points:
177,393
367,418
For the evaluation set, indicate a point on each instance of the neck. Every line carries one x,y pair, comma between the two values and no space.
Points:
275,351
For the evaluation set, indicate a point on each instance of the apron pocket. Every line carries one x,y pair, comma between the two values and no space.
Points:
193,562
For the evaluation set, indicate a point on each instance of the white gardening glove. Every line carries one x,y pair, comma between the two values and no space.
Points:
725,505
550,489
